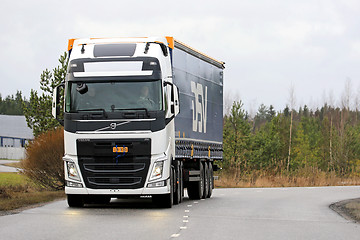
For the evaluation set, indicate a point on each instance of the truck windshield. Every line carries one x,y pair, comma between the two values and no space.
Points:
113,96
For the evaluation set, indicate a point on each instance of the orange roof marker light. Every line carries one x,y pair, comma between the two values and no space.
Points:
71,43
170,41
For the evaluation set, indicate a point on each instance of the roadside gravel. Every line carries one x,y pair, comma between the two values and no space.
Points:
348,209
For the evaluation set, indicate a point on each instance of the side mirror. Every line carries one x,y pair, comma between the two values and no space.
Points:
175,108
56,102
173,94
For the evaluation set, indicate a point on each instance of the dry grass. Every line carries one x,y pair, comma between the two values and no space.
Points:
24,199
227,180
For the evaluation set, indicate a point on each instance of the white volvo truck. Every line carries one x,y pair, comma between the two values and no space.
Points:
142,117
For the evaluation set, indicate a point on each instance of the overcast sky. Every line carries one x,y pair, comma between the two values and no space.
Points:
267,45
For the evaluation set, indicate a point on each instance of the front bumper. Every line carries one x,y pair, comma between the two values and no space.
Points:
119,192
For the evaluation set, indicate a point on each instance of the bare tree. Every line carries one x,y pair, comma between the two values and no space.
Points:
331,99
323,98
346,96
357,103
292,102
229,99
252,108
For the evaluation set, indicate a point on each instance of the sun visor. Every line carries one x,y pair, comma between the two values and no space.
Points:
115,67
114,50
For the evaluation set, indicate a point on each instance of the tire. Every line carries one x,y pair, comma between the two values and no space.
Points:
181,181
75,200
211,179
196,189
166,200
177,184
206,180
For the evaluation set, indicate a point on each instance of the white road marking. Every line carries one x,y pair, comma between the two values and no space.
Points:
185,221
189,205
175,235
187,210
183,227
185,216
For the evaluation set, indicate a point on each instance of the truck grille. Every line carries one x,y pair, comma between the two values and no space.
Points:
101,168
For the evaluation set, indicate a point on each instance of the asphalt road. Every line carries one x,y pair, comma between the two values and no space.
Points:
273,213
4,168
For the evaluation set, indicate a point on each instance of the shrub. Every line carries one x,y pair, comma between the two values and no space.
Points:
43,161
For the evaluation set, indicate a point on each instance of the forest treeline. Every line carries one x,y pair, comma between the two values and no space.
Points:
12,104
292,142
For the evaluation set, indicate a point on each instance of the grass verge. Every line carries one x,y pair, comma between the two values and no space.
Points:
227,180
17,191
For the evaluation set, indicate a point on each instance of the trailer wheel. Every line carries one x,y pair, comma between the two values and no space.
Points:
196,189
206,180
75,200
211,179
166,200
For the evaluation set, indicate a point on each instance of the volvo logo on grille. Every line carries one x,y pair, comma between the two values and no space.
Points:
112,126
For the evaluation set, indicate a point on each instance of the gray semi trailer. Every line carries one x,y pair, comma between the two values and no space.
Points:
142,117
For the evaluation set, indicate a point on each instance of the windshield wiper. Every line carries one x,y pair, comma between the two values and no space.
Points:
94,109
124,109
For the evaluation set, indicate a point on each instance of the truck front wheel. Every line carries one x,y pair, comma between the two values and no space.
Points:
166,200
178,194
75,200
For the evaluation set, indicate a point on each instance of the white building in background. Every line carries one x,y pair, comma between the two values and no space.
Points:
14,134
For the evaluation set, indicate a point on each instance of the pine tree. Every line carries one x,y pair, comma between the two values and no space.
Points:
236,138
38,112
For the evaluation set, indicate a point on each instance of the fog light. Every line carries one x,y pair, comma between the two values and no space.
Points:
74,184
157,184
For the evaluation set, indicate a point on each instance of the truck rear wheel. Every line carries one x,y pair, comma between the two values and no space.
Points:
206,180
75,200
196,189
211,179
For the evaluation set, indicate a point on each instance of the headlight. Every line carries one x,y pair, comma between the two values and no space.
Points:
157,171
72,172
